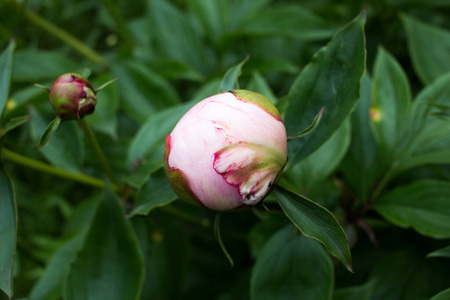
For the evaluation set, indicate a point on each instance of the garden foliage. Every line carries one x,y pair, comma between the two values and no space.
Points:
362,210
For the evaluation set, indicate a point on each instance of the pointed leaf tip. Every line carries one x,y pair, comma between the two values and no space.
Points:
49,131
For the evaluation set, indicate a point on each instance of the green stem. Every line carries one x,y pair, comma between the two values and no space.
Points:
61,34
45,168
383,182
98,151
219,239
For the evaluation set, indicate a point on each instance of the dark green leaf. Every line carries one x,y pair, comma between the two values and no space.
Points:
231,77
104,118
428,47
443,252
49,131
263,231
422,205
143,91
310,129
49,286
259,85
405,275
290,21
8,232
427,137
110,263
316,222
177,37
211,16
361,156
165,248
33,65
271,64
360,292
154,193
6,65
391,98
444,295
291,266
63,152
322,162
13,123
147,145
330,80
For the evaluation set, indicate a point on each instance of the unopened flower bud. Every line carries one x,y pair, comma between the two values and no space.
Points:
227,151
72,97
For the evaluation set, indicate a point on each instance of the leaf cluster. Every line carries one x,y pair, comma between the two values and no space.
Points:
364,93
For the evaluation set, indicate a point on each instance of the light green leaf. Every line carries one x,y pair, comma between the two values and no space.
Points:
49,286
155,192
291,266
143,91
391,98
428,47
8,232
423,205
444,295
104,118
289,21
443,252
110,263
231,77
330,80
14,123
6,65
38,65
316,222
49,131
61,151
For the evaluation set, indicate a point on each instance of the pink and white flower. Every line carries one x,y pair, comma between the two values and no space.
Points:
226,151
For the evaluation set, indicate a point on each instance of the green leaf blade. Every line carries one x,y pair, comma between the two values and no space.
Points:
443,252
428,47
316,222
49,131
391,99
422,205
110,263
155,192
6,65
230,79
330,80
8,232
13,123
292,266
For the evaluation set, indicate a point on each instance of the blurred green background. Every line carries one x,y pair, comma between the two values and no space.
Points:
167,53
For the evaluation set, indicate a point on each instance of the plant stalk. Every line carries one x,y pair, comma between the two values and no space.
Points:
98,151
64,36
48,169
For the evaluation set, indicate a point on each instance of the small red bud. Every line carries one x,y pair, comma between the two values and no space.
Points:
72,97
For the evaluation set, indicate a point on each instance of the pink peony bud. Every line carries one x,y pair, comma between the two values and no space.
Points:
72,97
226,151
